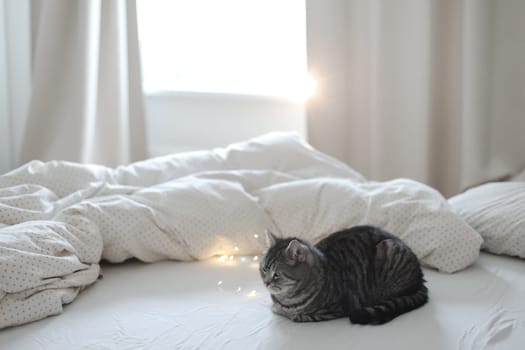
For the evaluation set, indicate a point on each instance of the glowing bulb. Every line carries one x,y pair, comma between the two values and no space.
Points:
255,258
256,236
238,289
231,257
219,283
236,248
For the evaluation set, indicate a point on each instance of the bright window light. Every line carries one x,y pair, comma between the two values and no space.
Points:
254,47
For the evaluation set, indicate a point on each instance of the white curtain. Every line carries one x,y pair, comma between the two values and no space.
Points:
14,78
86,102
431,90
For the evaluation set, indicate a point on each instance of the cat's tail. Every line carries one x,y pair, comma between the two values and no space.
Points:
390,309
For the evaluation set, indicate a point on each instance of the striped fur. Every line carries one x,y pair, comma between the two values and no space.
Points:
363,273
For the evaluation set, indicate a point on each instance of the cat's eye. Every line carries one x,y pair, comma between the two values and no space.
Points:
276,276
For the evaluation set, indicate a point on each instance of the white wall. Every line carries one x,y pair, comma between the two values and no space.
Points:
191,121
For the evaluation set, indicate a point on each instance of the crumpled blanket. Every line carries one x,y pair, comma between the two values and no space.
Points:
59,219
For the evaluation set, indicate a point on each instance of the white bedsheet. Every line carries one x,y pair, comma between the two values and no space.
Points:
170,305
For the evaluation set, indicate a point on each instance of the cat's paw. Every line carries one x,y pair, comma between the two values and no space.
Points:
276,309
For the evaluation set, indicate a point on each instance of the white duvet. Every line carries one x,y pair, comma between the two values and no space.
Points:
59,219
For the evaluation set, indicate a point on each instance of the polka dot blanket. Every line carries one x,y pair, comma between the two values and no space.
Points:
59,219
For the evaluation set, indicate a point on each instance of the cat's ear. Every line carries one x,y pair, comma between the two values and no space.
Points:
296,251
271,239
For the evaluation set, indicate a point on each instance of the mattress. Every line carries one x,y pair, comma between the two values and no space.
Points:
221,304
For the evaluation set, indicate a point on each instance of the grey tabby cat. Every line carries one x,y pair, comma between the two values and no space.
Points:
363,273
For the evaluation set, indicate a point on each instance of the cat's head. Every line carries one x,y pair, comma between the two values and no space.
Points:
286,263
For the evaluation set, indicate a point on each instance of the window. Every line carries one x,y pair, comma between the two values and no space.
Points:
246,47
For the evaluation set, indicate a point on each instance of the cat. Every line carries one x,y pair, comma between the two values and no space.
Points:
364,273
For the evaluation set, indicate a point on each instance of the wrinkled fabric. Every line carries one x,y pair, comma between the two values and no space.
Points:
59,219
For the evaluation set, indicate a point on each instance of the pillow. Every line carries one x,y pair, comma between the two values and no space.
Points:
497,212
418,214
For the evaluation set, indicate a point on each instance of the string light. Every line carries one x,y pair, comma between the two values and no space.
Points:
243,259
228,259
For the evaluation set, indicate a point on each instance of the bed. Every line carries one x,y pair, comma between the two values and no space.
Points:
222,305
114,282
